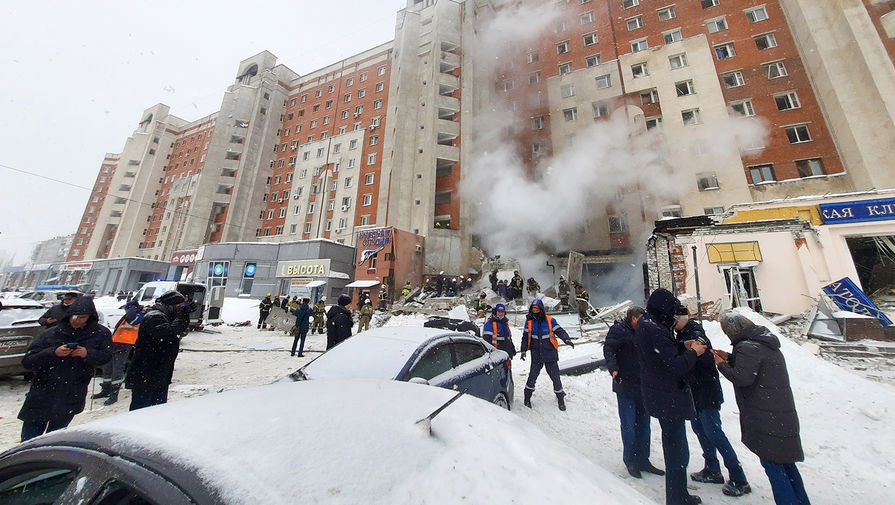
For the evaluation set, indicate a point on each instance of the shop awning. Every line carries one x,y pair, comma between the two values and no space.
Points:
362,284
315,284
733,252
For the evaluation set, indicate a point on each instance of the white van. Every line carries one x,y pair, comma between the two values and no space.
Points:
147,295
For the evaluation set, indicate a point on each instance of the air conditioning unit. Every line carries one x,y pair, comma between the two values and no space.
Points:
295,197
294,148
338,230
357,114
372,127
344,207
419,248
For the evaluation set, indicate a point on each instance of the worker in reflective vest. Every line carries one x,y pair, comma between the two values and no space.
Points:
123,339
497,331
539,336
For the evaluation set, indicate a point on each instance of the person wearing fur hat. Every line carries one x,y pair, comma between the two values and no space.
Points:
62,360
338,322
539,335
156,349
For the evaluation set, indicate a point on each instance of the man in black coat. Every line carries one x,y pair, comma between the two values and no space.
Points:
624,365
57,312
264,311
156,349
62,359
768,418
707,398
664,365
338,322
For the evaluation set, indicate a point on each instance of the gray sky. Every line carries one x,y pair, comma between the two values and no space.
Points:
77,76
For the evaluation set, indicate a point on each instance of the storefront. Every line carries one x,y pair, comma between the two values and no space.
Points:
386,259
109,276
182,264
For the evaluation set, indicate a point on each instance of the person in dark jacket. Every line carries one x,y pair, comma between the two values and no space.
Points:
664,365
264,311
303,316
338,322
768,419
707,398
63,359
57,312
517,284
539,335
496,330
439,284
624,365
156,349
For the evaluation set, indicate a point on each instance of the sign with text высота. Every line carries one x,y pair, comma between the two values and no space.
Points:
304,268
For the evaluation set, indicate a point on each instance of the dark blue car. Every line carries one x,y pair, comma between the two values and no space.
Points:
446,359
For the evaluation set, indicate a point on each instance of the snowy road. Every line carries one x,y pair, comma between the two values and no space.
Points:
846,420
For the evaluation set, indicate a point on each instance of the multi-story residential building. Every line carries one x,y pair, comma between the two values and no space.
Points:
92,210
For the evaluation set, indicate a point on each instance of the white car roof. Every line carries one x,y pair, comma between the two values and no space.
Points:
21,303
379,353
349,442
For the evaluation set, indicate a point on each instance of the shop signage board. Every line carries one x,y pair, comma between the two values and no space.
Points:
184,257
77,266
304,268
859,211
848,296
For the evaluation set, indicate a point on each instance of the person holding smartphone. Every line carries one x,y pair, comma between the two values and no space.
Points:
62,360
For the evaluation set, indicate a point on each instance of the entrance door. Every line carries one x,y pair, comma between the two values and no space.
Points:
742,289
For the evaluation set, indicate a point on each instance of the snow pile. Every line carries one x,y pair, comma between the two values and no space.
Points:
359,443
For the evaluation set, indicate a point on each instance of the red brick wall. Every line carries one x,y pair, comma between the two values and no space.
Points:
87,225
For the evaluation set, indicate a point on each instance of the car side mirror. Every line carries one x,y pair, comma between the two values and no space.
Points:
419,380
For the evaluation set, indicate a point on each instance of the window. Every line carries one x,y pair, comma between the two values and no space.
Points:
374,139
347,97
282,211
345,114
639,70
639,45
534,77
368,179
777,70
304,98
666,13
756,14
508,85
649,96
604,81
716,25
307,227
710,3
713,211
305,156
562,47
377,104
314,123
590,39
691,117
601,109
673,36
798,134
765,41
537,123
360,110
381,70
810,167
627,4
677,61
434,363
618,224
634,23
296,210
538,149
587,17
567,90
368,200
533,57
292,229
762,173
743,108
570,114
352,144
351,163
560,27
672,211
380,86
787,101
318,93
363,77
348,182
565,68
312,206
270,214
371,159
592,61
684,88
725,51
733,79
707,181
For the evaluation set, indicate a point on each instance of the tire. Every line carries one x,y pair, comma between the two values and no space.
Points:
501,401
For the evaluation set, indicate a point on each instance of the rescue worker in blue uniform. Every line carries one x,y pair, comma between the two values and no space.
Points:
539,335
497,330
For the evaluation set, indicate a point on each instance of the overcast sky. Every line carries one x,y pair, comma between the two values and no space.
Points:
78,75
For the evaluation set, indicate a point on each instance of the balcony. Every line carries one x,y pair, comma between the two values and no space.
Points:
447,83
449,62
228,172
130,174
447,127
447,153
124,188
225,189
447,104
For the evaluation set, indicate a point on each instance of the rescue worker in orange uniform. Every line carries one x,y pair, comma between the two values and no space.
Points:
123,339
496,330
539,336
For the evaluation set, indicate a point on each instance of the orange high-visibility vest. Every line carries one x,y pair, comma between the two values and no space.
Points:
126,333
549,327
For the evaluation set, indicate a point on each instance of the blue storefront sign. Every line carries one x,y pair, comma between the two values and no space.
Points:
847,296
855,212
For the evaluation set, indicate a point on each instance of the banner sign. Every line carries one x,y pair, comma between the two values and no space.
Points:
847,296
303,268
855,212
184,257
370,239
77,266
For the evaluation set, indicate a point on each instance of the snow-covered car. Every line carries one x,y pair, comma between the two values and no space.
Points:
446,359
333,442
18,326
48,297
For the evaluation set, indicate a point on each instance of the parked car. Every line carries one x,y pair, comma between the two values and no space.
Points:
447,323
48,297
18,326
148,293
333,442
441,358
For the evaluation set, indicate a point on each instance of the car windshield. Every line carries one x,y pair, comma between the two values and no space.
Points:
362,357
20,316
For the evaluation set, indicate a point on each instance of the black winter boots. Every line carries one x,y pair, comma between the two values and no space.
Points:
560,400
105,389
113,395
527,400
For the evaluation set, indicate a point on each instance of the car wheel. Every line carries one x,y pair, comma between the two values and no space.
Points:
501,401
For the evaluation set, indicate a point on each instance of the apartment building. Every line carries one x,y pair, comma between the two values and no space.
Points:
91,210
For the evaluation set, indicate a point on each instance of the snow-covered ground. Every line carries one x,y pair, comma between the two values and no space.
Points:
846,419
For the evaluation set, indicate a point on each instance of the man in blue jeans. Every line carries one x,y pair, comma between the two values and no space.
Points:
707,397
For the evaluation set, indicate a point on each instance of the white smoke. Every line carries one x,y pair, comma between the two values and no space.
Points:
528,216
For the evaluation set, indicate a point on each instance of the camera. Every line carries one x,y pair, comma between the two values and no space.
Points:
72,345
